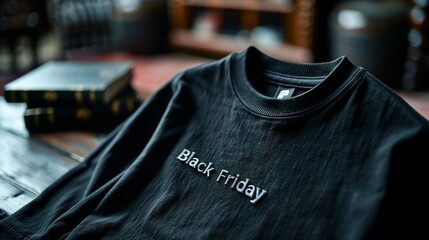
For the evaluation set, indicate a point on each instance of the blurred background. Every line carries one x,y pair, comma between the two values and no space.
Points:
387,37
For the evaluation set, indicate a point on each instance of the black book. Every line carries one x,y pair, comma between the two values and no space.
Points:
70,83
97,118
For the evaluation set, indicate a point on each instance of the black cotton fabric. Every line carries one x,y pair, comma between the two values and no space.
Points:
248,147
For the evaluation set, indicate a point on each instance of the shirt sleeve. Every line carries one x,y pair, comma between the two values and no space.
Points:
84,186
401,212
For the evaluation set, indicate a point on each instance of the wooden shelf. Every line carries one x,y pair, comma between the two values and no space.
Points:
219,45
254,5
293,21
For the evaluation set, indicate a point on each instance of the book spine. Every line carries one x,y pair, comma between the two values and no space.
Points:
55,98
45,119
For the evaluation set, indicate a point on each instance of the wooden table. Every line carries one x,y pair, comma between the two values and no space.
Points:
30,163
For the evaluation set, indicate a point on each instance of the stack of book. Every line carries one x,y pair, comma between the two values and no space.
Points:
75,95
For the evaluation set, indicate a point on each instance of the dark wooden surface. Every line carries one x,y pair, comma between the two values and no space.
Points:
30,163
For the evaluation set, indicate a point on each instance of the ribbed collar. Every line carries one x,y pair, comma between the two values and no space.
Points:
329,79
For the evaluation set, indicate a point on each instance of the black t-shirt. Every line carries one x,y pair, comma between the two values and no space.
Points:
247,147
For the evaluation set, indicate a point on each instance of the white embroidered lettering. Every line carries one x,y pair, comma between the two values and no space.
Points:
227,179
242,185
235,180
199,165
188,158
253,192
193,163
258,195
208,169
250,190
221,174
183,156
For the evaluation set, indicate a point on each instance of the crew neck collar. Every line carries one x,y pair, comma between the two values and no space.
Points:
330,80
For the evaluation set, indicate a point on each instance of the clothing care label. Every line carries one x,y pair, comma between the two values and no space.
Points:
284,93
241,185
